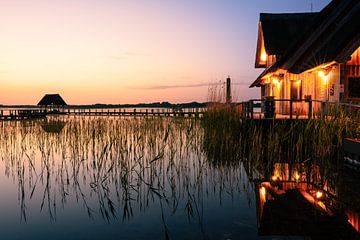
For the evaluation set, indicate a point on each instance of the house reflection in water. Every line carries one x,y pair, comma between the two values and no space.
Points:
353,219
295,200
52,125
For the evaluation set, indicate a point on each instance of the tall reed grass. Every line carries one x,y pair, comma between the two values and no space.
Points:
113,167
261,143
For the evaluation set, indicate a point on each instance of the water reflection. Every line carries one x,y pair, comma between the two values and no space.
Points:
52,124
302,200
116,169
163,178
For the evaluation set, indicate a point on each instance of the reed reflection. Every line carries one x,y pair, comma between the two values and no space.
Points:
301,187
114,168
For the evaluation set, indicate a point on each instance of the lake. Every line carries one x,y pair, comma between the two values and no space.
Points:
154,178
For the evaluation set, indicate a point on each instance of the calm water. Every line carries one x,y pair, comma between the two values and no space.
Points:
138,178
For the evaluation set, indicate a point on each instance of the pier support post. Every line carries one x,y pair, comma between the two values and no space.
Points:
310,109
251,109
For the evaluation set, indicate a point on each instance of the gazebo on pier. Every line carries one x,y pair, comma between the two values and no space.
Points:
52,102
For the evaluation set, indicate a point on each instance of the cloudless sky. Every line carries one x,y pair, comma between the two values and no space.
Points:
129,51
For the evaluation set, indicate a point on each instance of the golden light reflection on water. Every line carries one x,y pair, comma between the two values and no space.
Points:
318,186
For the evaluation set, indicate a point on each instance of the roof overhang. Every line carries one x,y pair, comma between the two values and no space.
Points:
266,73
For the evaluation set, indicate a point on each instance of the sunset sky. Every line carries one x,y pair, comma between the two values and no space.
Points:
129,51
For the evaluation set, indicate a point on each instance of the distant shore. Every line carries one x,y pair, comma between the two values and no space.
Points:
138,105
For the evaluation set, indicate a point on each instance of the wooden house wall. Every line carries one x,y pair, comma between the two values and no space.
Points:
352,70
355,58
259,48
311,84
334,84
314,85
271,59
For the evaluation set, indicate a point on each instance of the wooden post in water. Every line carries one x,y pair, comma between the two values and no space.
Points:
252,109
310,110
246,109
228,90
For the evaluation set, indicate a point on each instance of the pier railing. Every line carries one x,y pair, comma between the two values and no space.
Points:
23,112
252,109
291,108
174,112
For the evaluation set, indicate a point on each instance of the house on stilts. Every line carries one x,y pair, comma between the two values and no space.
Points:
310,56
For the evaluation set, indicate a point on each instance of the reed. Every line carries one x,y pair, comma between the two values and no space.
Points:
113,167
261,143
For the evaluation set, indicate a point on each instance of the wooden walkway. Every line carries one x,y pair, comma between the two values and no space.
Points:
136,112
255,109
23,114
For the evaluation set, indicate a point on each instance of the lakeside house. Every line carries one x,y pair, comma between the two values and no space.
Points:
310,55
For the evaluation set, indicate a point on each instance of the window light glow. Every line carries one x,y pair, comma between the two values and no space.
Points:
263,56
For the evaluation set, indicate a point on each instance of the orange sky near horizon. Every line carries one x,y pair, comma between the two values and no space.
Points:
125,51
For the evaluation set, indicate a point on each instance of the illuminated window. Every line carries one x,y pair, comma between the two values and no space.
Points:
354,87
263,56
295,90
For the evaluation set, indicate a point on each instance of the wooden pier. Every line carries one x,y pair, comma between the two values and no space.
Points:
36,112
255,109
137,112
21,114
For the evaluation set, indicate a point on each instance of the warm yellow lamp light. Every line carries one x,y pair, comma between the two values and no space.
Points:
263,56
321,74
263,192
319,194
275,81
324,75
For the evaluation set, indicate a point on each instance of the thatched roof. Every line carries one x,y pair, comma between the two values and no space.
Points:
281,30
52,99
333,35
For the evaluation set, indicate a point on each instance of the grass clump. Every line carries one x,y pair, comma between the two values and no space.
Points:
264,142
